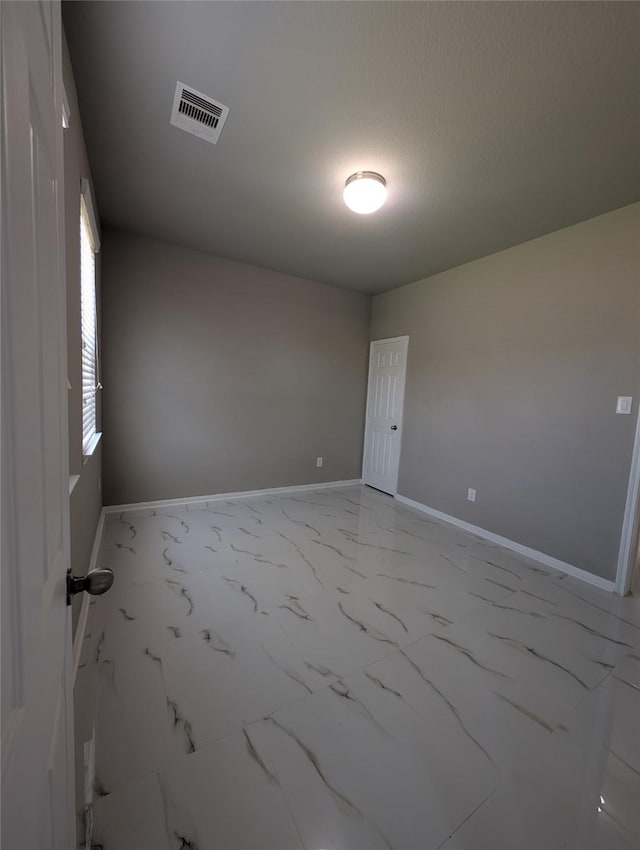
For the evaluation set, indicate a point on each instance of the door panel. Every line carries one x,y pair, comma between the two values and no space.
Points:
385,399
36,640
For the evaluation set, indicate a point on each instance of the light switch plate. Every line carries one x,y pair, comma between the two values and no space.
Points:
471,494
624,404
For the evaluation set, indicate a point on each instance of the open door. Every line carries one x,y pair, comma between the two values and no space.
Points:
385,403
37,739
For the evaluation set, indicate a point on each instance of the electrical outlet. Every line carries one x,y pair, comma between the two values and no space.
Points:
471,494
319,461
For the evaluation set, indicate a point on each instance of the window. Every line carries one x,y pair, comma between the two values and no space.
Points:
89,245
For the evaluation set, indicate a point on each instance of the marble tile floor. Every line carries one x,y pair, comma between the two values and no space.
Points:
331,670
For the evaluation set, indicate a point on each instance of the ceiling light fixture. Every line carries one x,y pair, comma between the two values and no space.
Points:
365,192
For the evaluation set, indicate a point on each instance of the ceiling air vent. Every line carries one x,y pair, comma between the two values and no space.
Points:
197,113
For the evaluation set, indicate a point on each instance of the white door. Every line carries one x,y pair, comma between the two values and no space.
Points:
37,740
385,400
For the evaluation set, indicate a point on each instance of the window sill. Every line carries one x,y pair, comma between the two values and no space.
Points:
90,449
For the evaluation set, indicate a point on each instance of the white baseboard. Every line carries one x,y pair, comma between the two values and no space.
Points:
220,497
533,554
86,599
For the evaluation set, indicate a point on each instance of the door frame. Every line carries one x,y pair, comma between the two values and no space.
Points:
629,537
405,339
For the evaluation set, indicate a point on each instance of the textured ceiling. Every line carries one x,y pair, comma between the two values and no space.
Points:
493,123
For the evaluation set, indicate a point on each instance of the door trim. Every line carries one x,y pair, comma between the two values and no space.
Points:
405,339
631,521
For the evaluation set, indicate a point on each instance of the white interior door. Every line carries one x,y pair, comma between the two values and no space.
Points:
385,400
37,739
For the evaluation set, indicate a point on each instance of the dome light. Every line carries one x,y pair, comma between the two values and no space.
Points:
365,192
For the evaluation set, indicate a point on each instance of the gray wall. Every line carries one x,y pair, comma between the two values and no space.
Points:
220,376
86,498
515,363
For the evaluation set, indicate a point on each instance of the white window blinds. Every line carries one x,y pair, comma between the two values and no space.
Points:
90,379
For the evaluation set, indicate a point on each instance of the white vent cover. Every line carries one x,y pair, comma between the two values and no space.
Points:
197,113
